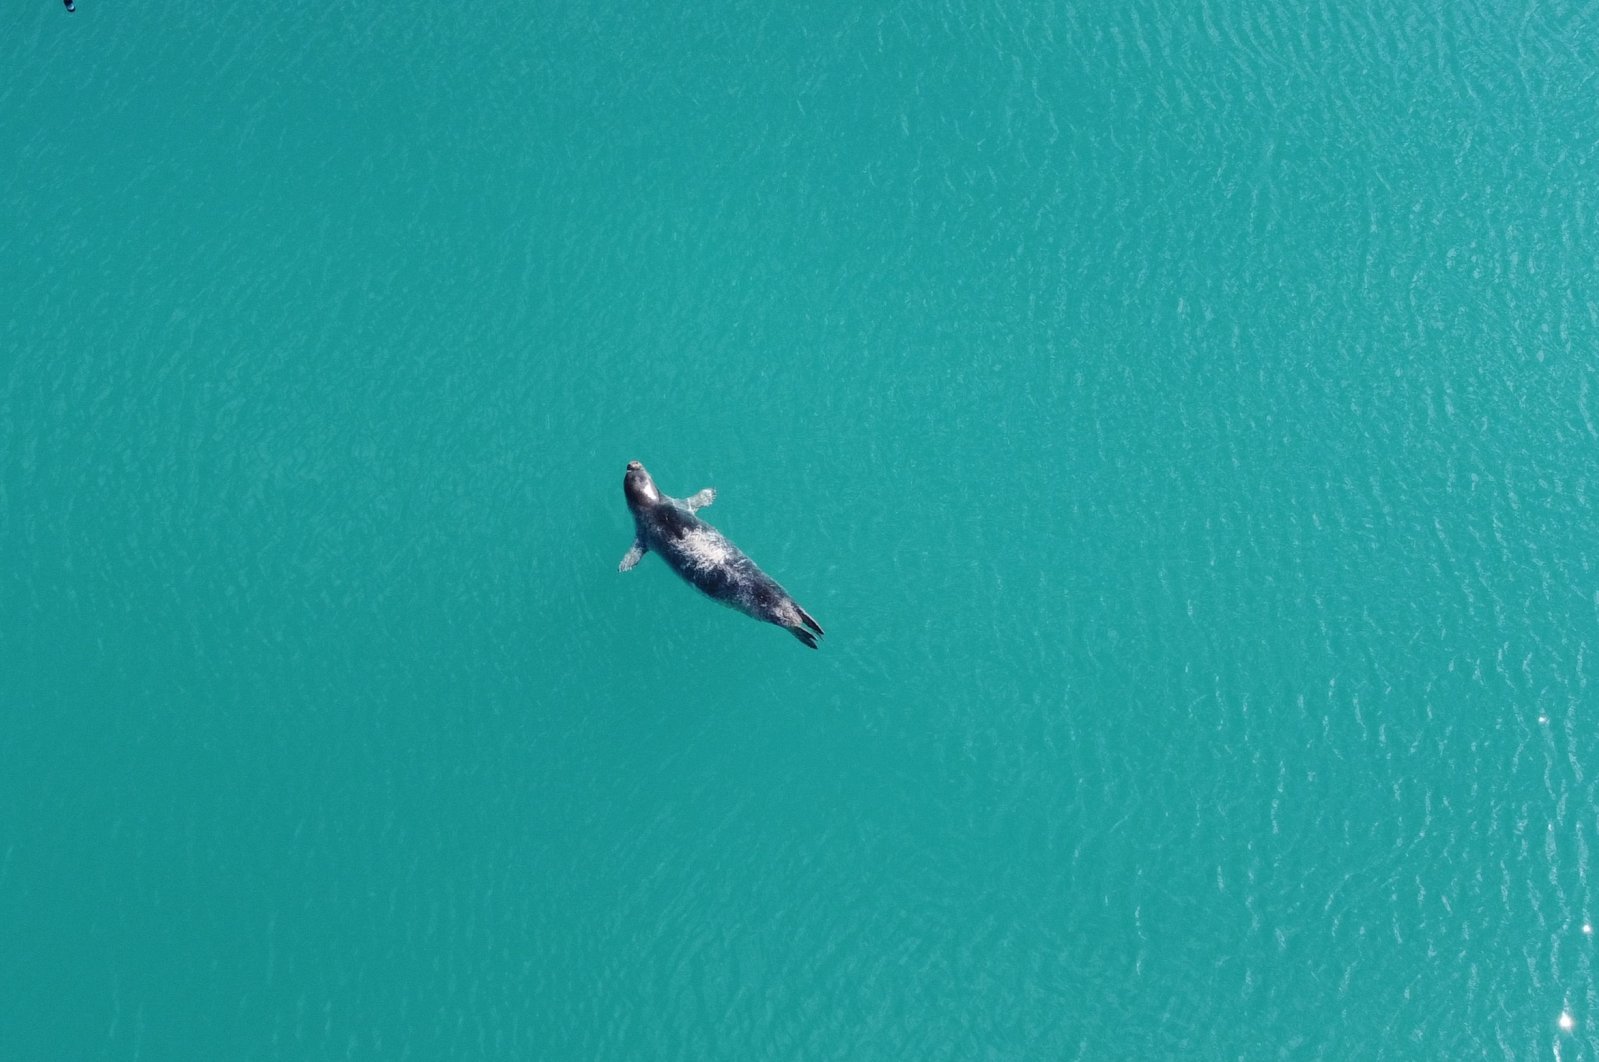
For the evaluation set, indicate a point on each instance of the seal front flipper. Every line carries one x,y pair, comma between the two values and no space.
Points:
701,500
631,557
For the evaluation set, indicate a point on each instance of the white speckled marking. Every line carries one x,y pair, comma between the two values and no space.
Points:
706,549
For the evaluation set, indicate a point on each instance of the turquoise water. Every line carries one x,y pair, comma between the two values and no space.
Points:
1182,419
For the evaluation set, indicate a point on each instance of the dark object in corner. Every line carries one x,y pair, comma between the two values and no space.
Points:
70,5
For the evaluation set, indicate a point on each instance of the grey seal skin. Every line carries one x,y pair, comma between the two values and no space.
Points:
704,558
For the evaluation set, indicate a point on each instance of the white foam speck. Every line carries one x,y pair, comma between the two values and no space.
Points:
1567,1022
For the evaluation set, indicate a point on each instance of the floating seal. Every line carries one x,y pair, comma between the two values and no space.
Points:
704,558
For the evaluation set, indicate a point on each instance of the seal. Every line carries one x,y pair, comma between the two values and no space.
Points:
704,558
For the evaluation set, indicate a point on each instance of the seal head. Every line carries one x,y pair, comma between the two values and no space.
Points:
639,488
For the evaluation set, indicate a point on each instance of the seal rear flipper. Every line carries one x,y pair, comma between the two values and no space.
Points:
812,624
803,635
631,557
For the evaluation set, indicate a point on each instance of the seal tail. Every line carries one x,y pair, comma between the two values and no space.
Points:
806,616
803,635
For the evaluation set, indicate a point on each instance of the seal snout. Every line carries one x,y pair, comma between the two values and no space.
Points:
638,485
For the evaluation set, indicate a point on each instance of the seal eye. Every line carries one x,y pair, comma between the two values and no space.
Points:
633,466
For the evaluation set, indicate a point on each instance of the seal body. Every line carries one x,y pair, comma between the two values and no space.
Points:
704,557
